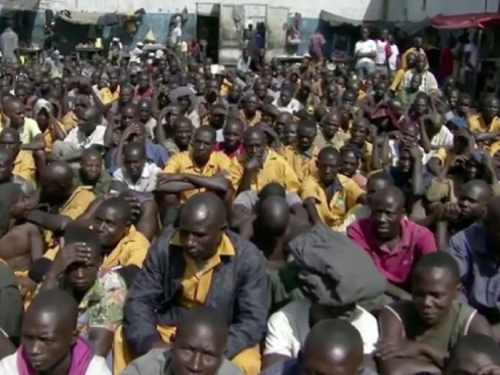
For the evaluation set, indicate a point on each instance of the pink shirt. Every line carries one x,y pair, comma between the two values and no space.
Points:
396,264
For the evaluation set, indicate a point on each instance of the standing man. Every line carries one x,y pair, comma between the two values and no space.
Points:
471,59
9,42
365,52
383,52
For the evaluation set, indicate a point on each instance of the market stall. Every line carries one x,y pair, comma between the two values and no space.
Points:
478,21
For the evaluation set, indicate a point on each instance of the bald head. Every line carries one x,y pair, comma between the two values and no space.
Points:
479,188
329,152
473,353
274,215
204,207
10,135
11,105
205,318
334,344
390,195
54,306
58,172
254,133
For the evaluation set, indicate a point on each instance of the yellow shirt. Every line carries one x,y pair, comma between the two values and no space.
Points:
28,131
76,205
224,88
131,250
69,121
196,283
253,121
398,79
24,166
332,212
49,136
303,164
183,163
477,125
274,169
107,96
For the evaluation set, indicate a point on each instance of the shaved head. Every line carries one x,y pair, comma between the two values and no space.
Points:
205,207
390,194
274,215
333,346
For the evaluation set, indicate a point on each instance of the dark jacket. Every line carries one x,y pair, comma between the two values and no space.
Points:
238,292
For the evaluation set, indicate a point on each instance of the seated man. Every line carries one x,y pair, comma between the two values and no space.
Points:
205,332
475,249
332,346
302,157
328,195
62,200
179,137
350,160
100,293
133,131
260,165
326,296
200,256
246,204
469,209
474,354
232,145
24,164
394,242
89,133
417,335
271,227
20,241
91,172
13,116
377,181
136,172
199,169
52,314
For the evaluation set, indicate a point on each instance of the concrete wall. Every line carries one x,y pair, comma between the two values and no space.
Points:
416,10
158,13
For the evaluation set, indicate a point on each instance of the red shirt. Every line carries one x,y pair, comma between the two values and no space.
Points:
395,264
446,68
220,146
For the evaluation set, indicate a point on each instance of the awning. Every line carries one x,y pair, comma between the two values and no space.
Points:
19,4
465,21
336,20
80,18
412,28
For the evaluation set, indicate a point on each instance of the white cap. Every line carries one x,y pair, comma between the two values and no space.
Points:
140,44
116,39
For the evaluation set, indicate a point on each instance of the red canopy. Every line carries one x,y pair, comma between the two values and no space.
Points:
465,21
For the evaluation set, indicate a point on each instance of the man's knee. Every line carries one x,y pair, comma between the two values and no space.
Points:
249,360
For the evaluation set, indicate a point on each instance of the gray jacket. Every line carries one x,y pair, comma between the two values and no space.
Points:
158,362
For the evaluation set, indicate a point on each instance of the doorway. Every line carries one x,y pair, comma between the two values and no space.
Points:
207,32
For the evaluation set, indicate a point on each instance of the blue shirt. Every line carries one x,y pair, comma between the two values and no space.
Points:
292,367
479,269
154,154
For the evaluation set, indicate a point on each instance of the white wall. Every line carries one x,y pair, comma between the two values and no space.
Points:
416,10
356,9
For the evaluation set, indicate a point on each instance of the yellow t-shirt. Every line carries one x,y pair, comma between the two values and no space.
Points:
28,131
196,283
274,169
131,250
107,96
332,212
302,164
24,166
183,163
76,205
